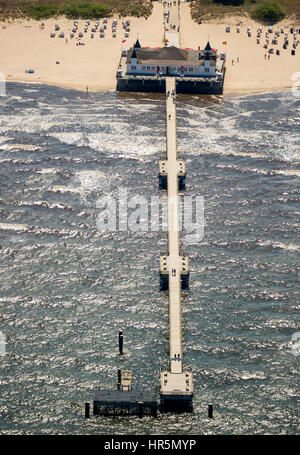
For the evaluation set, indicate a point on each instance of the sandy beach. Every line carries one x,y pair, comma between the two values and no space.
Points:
253,73
25,45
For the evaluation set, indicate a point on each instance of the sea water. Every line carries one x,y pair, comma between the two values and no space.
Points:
67,288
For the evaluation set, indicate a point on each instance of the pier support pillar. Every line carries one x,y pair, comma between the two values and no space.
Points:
87,410
121,342
164,281
185,277
163,182
141,409
181,182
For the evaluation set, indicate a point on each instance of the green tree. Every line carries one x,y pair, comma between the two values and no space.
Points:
268,12
84,10
81,10
41,10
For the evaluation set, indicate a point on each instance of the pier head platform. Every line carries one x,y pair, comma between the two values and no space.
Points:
194,71
144,69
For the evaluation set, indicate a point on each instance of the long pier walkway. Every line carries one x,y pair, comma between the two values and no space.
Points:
172,22
173,233
176,385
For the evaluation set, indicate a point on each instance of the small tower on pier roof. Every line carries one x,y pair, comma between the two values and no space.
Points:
137,45
133,58
208,49
207,60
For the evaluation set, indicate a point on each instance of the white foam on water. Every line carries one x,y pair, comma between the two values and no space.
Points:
46,204
293,172
31,90
7,128
286,150
137,107
96,124
14,227
96,118
54,231
246,114
222,152
91,172
42,104
5,139
282,146
18,98
118,145
284,246
10,299
132,150
65,189
46,125
29,123
47,171
25,147
140,145
289,173
91,179
258,375
70,138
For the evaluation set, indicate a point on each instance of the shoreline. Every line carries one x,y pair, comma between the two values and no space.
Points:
75,87
230,94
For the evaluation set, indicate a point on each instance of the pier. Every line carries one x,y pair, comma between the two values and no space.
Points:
176,385
176,388
172,23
